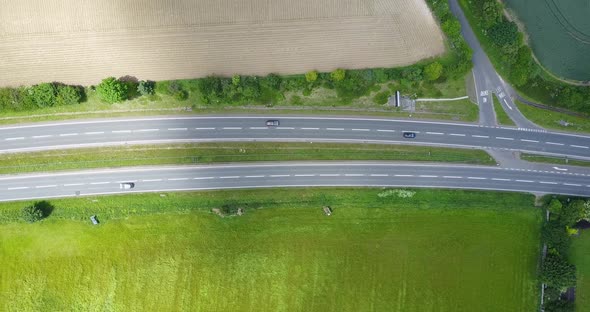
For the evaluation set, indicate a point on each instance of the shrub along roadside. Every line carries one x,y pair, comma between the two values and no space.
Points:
557,273
512,58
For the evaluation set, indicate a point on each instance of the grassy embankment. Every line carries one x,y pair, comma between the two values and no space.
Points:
501,115
580,256
320,101
550,120
438,250
554,160
202,153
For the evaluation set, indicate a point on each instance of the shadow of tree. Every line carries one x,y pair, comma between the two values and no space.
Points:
45,207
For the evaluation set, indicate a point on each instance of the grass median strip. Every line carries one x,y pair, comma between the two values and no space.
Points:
554,160
202,153
393,250
501,115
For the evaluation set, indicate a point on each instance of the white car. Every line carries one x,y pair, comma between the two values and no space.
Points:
126,185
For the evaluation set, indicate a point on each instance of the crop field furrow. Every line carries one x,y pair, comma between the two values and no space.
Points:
82,42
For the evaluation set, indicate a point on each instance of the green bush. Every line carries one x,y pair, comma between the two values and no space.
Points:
558,272
146,87
112,90
433,71
338,75
311,76
381,97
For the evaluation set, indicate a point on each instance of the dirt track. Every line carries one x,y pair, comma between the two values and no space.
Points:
190,38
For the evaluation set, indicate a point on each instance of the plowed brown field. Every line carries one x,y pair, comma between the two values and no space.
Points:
81,42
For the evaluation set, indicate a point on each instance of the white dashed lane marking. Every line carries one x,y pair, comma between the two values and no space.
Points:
504,138
68,134
335,129
524,181
532,141
152,180
18,188
13,139
255,176
207,128
500,179
178,179
553,143
360,130
94,132
544,182
203,178
232,128
435,133
579,146
452,177
42,136
177,129
572,184
99,183
121,131
385,130
480,136
310,128
146,130
457,134
45,186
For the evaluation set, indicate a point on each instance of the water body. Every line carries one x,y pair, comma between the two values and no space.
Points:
559,33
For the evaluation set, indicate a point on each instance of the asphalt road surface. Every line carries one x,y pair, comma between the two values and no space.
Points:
249,128
290,174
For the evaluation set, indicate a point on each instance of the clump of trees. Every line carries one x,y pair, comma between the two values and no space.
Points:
557,273
39,96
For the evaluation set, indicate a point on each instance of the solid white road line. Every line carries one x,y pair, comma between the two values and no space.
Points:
146,130
18,188
532,141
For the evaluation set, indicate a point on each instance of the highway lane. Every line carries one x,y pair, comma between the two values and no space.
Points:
290,174
292,128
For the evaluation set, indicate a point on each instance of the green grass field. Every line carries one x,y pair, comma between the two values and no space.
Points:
173,154
501,115
437,251
550,120
559,32
580,256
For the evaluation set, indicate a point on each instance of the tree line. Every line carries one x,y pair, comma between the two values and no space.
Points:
557,273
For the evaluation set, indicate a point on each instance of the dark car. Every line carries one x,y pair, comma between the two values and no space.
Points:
272,123
409,135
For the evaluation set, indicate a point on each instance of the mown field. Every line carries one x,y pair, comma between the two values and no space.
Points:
165,39
435,251
580,256
559,33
